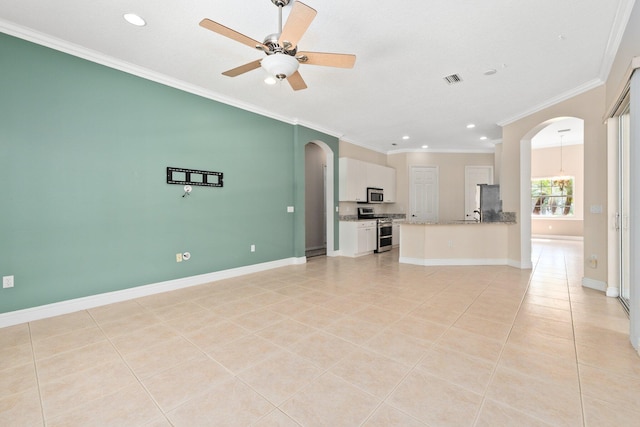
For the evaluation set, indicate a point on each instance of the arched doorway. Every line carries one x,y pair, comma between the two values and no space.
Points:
319,199
550,136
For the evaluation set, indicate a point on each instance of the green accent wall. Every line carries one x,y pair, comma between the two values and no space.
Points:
84,204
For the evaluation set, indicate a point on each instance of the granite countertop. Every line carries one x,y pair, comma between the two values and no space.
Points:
460,222
500,218
497,218
354,218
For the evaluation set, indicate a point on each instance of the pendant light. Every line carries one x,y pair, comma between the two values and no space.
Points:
562,180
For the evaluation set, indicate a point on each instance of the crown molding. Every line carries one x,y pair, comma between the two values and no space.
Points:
368,147
592,84
623,14
444,151
126,67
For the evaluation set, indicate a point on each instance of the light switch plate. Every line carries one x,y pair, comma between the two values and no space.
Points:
289,209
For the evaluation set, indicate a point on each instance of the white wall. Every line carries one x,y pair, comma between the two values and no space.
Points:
451,178
516,136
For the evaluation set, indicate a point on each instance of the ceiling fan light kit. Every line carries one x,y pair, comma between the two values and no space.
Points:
280,65
282,60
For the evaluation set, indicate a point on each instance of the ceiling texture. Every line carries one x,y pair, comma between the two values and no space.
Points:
514,58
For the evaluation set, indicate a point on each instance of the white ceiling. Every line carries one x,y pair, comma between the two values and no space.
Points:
543,51
565,130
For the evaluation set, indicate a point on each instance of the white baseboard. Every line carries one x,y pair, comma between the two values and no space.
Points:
519,264
594,284
613,292
453,261
556,237
84,303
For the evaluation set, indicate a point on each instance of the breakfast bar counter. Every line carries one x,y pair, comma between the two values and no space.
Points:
455,243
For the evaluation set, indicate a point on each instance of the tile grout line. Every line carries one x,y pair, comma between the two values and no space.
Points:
575,345
108,338
35,368
495,367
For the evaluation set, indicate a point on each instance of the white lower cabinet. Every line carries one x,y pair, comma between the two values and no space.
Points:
395,238
357,237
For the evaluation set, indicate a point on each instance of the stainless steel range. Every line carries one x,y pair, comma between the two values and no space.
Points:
384,228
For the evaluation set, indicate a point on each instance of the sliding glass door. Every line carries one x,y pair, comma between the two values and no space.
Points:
622,214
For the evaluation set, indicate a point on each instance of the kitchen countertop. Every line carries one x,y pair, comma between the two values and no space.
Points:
497,218
460,222
354,218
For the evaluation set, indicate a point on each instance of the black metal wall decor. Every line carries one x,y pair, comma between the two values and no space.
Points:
194,177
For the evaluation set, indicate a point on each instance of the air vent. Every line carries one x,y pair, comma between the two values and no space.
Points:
453,79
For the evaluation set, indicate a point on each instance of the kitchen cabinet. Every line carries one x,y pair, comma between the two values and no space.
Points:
395,239
375,175
389,184
352,182
358,238
356,176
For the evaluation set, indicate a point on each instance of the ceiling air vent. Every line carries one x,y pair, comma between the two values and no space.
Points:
453,79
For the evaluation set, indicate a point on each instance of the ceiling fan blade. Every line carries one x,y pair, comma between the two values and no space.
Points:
232,34
299,20
296,81
340,60
234,72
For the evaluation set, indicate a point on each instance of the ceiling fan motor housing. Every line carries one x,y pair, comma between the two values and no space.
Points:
271,42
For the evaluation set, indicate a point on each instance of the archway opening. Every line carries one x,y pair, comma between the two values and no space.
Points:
319,203
551,182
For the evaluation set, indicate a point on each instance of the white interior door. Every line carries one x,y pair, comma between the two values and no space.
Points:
474,175
423,193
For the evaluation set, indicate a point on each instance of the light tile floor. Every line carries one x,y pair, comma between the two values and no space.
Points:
337,342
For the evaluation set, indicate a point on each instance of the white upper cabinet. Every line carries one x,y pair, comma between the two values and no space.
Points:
375,175
352,183
389,185
356,176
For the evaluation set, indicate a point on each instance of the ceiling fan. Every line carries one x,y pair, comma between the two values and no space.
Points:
281,48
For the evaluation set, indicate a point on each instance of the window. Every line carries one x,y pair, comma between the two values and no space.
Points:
552,197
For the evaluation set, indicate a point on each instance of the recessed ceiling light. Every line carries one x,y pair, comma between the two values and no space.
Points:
134,19
425,146
470,126
482,138
405,137
490,72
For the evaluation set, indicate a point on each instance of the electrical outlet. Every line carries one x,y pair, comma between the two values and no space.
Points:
593,261
253,248
178,257
7,282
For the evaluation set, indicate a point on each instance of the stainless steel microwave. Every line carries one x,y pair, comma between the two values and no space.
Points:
375,195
